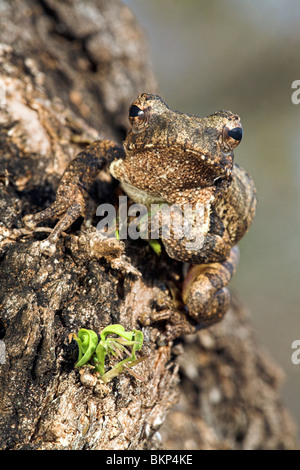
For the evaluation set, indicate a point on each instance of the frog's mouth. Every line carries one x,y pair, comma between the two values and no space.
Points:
218,165
226,154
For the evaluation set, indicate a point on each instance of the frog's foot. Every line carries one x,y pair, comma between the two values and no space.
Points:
205,293
54,211
66,211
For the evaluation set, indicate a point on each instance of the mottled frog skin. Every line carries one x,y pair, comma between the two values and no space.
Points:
173,158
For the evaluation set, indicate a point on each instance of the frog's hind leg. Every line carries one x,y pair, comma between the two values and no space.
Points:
205,293
73,191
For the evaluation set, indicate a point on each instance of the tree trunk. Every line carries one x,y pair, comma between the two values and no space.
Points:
66,69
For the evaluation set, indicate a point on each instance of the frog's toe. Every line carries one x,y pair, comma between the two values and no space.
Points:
205,293
212,311
29,221
47,247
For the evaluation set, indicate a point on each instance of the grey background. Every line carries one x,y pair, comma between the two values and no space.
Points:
244,56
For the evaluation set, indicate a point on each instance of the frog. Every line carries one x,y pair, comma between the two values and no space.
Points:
174,159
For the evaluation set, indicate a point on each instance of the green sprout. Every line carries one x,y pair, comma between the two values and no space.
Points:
156,246
93,352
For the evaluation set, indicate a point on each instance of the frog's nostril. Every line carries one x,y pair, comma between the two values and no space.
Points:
236,133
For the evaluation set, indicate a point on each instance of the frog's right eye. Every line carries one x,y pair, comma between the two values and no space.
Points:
135,111
138,118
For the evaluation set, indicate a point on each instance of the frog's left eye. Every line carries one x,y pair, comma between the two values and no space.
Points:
138,118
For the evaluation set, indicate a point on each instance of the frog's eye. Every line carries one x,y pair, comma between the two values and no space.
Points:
138,118
232,137
236,133
135,111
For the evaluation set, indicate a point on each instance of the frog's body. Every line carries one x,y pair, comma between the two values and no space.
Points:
177,159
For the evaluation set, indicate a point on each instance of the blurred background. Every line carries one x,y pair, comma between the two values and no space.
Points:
244,56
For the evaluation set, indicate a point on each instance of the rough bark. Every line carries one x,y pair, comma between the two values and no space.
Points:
67,66
229,392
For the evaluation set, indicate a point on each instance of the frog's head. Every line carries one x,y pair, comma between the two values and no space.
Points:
210,140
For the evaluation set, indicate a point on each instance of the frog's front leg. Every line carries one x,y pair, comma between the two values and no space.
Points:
195,234
72,193
205,293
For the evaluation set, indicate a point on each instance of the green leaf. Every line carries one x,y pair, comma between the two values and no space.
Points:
156,246
99,358
116,330
87,341
138,341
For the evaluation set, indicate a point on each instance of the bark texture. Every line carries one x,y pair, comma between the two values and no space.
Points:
68,68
